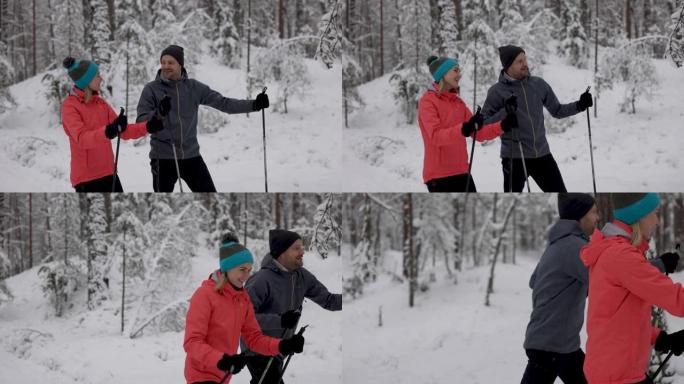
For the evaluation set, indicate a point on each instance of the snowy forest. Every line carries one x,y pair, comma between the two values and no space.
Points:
450,272
237,47
125,36
381,39
79,242
629,52
124,267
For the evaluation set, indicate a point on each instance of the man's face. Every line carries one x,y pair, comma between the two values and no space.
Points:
519,69
293,257
170,68
589,221
648,223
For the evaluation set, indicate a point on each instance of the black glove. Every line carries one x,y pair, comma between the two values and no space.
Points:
117,126
472,125
164,106
261,102
511,104
585,101
289,319
154,125
670,260
673,342
233,364
509,122
290,346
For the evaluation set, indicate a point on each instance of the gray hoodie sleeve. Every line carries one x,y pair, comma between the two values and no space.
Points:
577,268
658,263
209,97
259,292
555,108
316,291
493,107
146,105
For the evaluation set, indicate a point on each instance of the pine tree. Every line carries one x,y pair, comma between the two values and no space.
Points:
675,46
327,232
330,36
573,46
99,35
97,251
226,42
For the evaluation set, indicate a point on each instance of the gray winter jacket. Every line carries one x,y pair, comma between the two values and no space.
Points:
559,285
533,93
274,291
180,126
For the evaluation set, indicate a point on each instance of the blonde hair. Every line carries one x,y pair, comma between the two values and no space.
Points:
222,282
637,236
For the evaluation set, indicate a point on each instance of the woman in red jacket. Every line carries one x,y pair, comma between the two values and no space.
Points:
220,312
445,121
623,286
90,123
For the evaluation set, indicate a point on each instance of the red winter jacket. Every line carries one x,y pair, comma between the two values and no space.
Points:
91,151
214,324
440,117
623,286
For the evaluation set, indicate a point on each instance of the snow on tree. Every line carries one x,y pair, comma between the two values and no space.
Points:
96,226
5,267
408,86
220,218
60,281
675,46
631,65
330,36
480,59
362,264
226,42
284,65
7,78
168,267
447,29
98,37
327,230
436,235
68,21
574,45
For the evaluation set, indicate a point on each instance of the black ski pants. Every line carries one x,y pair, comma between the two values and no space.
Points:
543,170
193,171
543,367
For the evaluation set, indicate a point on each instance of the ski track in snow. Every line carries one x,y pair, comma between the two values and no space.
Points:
303,146
449,336
87,346
632,153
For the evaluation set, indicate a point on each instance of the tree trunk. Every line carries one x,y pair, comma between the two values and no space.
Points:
490,282
30,239
278,210
382,40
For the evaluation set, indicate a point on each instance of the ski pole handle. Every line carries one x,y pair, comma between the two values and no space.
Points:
302,329
121,112
264,90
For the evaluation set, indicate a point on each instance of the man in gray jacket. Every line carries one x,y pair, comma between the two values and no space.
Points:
559,285
180,97
277,292
528,95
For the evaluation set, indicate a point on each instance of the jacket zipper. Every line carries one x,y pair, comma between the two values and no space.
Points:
534,136
180,121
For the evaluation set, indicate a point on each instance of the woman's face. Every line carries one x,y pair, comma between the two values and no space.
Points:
648,223
452,77
239,275
95,83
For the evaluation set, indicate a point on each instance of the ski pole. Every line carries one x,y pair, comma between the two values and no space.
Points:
289,357
270,361
263,126
472,152
522,157
175,159
591,149
116,159
661,366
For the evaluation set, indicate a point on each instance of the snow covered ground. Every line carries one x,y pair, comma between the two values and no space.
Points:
87,347
449,336
640,152
303,146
